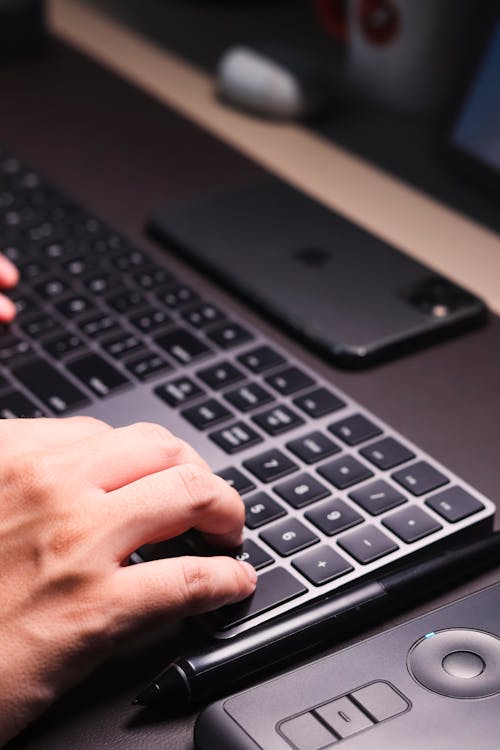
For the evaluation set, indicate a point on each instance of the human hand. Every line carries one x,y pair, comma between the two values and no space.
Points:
78,497
9,276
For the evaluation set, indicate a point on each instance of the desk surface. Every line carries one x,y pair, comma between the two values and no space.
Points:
124,154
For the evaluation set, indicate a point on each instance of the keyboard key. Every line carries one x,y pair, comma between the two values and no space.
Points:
275,587
75,306
220,375
94,326
125,301
289,380
121,345
50,386
38,325
182,345
411,523
203,314
177,296
253,554
319,402
420,478
97,374
153,278
321,565
237,479
248,397
333,516
206,414
15,405
387,453
313,447
100,283
355,429
261,509
288,536
129,260
277,420
150,320
227,335
377,497
454,503
301,490
235,437
13,348
260,359
179,391
344,471
367,544
62,344
270,465
146,365
51,289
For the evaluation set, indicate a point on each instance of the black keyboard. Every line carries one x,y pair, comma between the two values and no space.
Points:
102,327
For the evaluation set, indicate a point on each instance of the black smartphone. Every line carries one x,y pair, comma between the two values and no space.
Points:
343,291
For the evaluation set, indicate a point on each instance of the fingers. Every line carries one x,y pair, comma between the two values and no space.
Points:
116,458
183,586
9,275
170,502
23,435
7,309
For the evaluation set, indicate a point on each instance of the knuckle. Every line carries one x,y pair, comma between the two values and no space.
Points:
196,579
92,422
153,432
199,485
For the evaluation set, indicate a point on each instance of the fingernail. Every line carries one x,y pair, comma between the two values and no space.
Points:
9,275
250,571
7,309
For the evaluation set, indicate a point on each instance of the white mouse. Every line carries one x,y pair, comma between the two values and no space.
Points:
275,85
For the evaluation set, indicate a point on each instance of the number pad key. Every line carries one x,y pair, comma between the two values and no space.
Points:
203,315
235,437
270,465
220,375
333,516
387,453
454,504
377,497
321,565
289,536
253,554
355,429
248,397
301,490
179,391
260,359
319,402
261,509
411,524
235,478
277,420
14,405
228,335
206,414
289,381
313,447
420,478
182,345
367,544
344,471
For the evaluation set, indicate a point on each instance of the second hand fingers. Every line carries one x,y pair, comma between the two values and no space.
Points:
9,275
166,504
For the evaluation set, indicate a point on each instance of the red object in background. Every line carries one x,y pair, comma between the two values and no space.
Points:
379,19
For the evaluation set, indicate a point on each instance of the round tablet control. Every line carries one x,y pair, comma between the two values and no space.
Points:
457,663
463,664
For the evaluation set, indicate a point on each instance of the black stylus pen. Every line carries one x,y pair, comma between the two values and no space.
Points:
223,665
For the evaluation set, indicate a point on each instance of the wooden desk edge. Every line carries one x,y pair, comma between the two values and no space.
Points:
421,226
